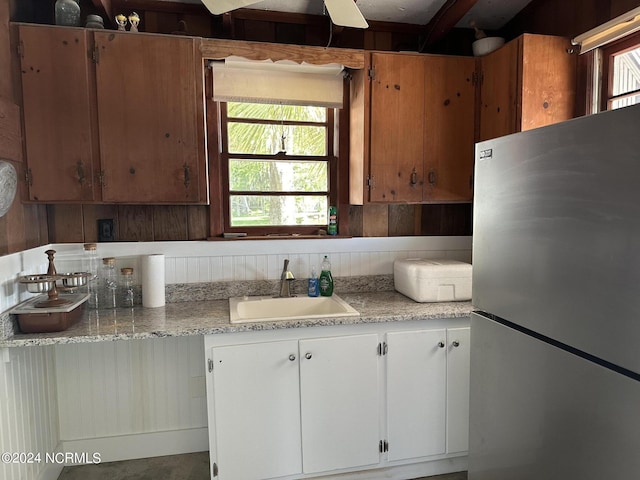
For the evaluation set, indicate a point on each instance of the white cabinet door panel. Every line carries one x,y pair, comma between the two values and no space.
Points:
458,389
257,410
339,397
416,393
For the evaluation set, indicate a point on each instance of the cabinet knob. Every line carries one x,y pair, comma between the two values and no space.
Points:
414,177
432,178
456,343
307,355
440,344
292,357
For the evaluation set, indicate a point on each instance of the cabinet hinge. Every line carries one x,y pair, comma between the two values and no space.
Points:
215,469
477,79
210,365
95,55
28,177
371,182
101,180
20,49
372,73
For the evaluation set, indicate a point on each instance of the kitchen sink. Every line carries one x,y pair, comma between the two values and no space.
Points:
273,309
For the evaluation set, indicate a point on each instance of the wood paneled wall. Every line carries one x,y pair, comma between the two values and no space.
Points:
397,220
23,226
132,223
567,18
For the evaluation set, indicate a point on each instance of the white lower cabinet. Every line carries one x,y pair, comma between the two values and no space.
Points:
256,405
416,393
339,402
458,362
427,393
282,406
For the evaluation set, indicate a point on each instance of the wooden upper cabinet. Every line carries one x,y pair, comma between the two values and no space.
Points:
449,132
412,129
397,123
151,118
59,126
528,83
112,116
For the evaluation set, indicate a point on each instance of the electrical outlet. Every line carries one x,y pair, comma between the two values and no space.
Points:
105,230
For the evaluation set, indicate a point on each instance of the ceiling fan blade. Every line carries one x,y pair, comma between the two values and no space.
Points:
345,13
218,7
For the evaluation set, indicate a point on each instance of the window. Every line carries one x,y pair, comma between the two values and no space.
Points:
621,73
279,167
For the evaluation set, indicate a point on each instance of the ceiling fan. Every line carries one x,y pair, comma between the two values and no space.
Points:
344,13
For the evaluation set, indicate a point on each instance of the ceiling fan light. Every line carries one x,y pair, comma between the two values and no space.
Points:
345,13
218,7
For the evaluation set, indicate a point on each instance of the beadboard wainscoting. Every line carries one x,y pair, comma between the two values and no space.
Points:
219,261
111,392
28,413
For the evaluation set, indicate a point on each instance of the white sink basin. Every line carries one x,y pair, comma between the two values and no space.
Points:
270,309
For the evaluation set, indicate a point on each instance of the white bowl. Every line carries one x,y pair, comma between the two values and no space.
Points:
486,45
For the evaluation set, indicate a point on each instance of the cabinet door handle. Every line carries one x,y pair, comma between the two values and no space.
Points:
307,355
414,177
440,344
432,178
456,343
292,357
80,172
187,176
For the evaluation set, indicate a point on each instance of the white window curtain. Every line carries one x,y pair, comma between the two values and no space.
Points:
240,80
608,32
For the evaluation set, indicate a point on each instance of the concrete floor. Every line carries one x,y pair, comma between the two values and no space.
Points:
192,466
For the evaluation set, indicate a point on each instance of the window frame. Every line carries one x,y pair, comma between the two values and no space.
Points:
623,45
331,158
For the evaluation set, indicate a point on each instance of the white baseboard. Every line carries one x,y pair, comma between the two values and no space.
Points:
50,472
143,445
404,472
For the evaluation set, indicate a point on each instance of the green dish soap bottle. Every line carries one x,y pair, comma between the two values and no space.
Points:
326,280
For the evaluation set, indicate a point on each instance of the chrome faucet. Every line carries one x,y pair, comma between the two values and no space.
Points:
285,280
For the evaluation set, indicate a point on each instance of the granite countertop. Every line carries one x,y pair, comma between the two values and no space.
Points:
212,317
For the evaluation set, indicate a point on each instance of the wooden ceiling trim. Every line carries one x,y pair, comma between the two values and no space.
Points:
445,20
214,49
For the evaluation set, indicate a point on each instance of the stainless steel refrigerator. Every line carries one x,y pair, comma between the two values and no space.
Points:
555,340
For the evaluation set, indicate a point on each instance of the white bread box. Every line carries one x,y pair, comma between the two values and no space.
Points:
432,280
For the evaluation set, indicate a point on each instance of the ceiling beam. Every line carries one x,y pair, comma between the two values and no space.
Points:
444,20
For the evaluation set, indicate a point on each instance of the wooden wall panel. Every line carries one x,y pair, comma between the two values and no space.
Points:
65,223
10,131
402,220
35,225
136,223
197,222
567,18
170,223
375,220
451,219
93,213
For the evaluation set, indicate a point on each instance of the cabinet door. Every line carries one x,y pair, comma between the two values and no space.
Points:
449,128
256,408
150,107
548,81
59,127
416,393
458,389
397,125
339,402
499,92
